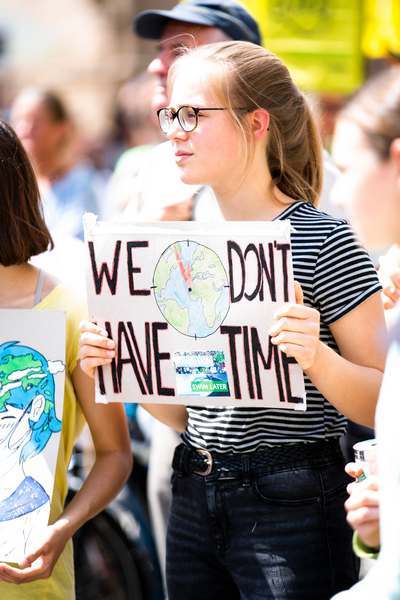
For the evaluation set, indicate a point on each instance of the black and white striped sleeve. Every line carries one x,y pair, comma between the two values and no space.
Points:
344,275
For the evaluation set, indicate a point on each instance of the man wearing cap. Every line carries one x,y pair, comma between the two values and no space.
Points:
189,23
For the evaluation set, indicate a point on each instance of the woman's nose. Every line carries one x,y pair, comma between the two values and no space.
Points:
175,131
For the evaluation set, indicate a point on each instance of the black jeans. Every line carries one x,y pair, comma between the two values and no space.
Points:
261,532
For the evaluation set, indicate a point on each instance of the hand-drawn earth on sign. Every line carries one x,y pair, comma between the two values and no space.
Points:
191,288
27,422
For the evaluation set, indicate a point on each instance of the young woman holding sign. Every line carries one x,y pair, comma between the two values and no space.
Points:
258,493
47,571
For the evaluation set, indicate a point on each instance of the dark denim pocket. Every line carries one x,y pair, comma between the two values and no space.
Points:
292,487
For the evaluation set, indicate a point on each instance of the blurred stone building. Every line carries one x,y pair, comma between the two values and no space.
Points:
84,49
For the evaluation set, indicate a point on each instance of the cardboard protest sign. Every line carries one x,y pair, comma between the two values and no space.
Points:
189,307
32,365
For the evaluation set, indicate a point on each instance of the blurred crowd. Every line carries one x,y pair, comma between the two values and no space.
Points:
131,177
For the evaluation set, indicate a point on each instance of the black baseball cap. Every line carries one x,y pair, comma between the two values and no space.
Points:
229,16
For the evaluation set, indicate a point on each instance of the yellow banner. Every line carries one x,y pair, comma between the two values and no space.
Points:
319,40
381,37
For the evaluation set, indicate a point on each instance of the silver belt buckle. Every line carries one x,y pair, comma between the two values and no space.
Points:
208,456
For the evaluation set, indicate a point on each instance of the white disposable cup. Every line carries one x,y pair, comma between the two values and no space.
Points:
365,455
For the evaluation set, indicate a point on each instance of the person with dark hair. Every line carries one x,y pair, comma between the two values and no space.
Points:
47,571
20,203
258,493
69,186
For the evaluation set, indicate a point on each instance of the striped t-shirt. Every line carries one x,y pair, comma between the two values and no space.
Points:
336,275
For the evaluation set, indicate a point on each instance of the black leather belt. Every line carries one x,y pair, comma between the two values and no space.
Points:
189,460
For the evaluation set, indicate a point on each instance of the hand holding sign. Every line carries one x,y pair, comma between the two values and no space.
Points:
95,348
296,332
39,564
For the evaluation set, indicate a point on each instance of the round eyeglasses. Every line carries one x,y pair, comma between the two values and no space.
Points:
188,117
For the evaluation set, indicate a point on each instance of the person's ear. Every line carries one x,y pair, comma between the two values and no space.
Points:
259,122
37,408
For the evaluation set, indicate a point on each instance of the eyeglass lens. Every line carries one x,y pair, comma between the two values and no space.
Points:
186,116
